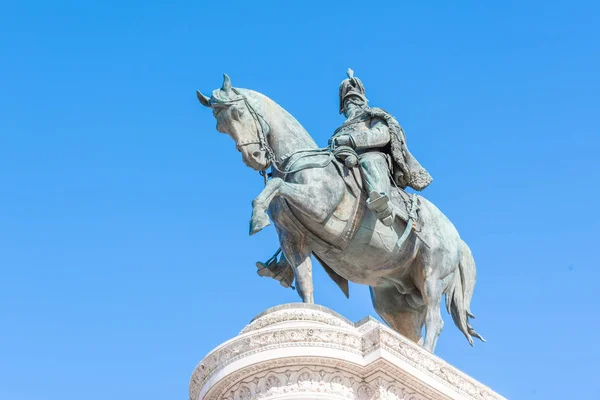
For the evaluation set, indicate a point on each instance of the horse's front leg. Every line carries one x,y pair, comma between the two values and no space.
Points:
260,204
297,251
315,197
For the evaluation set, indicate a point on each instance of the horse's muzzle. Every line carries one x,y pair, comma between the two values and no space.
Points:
254,157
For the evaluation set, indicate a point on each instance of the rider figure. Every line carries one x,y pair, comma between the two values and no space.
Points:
381,146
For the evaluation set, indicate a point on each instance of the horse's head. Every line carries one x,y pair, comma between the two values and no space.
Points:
238,118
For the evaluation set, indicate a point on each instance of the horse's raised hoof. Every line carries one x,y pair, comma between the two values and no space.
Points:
258,222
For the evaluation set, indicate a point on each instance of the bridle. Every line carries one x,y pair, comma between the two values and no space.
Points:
262,130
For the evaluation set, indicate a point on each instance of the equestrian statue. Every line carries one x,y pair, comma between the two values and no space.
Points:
346,205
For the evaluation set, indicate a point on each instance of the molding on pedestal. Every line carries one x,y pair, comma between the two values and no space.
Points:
310,351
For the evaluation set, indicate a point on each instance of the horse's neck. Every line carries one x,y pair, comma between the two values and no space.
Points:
286,136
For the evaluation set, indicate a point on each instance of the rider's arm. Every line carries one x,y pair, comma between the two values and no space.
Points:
377,136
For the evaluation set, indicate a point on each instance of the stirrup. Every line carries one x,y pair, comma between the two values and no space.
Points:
265,268
380,204
280,270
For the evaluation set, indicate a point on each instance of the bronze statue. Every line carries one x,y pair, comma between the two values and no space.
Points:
360,226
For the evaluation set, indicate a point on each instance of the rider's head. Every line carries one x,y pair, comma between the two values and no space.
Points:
351,91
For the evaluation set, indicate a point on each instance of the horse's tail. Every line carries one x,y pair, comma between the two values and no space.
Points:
460,292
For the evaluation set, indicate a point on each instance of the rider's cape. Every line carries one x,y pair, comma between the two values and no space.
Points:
407,170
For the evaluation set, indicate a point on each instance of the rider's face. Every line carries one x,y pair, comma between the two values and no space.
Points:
350,107
347,105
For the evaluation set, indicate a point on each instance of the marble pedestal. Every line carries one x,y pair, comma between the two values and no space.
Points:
302,351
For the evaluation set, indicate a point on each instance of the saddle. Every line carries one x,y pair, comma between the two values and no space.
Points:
406,206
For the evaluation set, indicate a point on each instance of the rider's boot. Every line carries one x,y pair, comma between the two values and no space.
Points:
380,204
375,173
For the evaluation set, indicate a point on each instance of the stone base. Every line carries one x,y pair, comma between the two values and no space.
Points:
304,351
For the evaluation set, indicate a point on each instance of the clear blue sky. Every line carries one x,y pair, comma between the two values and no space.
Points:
124,253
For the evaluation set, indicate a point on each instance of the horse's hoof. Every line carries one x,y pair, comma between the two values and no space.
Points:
258,223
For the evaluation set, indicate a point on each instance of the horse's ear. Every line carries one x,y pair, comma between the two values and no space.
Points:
205,101
226,84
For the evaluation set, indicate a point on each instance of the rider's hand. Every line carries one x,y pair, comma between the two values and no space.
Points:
343,140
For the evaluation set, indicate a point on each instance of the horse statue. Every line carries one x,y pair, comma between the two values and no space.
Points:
318,208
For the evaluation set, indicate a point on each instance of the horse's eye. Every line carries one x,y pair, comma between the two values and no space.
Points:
238,112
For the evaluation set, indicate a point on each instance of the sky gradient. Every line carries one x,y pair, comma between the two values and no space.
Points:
124,251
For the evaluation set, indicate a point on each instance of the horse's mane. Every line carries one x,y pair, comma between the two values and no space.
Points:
265,106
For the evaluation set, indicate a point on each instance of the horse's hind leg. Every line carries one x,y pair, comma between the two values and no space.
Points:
395,310
432,291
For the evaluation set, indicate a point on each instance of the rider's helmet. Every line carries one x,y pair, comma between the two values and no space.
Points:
351,87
